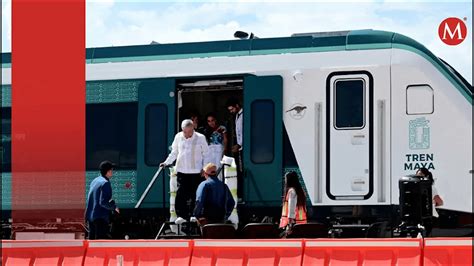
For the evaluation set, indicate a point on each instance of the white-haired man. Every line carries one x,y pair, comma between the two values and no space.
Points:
190,151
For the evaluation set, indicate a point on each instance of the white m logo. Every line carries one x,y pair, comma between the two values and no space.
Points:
457,30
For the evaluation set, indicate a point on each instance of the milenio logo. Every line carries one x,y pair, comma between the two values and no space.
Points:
452,31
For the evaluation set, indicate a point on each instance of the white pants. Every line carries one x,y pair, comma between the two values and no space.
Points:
215,154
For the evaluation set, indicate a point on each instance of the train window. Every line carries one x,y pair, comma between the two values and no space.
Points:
111,134
349,104
262,131
420,100
156,134
6,139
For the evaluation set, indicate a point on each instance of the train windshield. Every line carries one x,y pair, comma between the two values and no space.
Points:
459,76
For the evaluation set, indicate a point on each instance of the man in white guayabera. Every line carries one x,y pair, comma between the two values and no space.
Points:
191,152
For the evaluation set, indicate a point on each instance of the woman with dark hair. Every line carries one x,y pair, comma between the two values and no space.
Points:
216,135
437,201
294,202
426,174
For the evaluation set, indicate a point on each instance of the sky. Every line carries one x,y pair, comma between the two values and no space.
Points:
126,22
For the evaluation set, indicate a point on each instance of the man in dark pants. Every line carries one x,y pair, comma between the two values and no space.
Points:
234,107
190,151
100,203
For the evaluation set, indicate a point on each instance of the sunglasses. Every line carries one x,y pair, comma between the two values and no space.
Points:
212,173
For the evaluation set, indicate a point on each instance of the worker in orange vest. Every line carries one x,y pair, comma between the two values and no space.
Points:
294,203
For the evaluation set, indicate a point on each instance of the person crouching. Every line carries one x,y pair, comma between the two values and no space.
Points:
214,202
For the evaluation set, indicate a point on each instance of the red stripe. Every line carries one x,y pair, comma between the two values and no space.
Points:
48,109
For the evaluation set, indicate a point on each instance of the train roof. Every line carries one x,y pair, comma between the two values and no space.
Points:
303,42
297,43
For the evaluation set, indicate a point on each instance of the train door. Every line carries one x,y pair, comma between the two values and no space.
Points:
262,139
156,129
349,136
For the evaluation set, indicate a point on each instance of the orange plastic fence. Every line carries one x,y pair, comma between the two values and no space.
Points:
42,252
138,252
448,251
247,252
362,252
427,252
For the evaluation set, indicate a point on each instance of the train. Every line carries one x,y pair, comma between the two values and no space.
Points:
351,111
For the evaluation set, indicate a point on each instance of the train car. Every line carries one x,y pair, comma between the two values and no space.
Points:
351,111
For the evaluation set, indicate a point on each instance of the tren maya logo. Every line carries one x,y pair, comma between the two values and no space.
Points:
452,31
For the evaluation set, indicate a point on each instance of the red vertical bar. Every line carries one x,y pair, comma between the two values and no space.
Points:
48,110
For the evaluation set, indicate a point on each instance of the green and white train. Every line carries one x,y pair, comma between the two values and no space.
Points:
352,111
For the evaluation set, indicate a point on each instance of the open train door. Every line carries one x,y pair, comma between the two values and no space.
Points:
262,140
156,128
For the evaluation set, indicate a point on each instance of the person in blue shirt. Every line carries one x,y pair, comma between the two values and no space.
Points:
214,202
100,204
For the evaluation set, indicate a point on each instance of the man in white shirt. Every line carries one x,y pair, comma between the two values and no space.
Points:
236,109
190,151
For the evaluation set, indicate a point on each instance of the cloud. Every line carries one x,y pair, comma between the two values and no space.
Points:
6,25
98,13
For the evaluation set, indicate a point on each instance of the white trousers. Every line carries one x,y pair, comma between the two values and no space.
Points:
215,154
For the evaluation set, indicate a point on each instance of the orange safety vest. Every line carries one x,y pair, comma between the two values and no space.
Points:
300,214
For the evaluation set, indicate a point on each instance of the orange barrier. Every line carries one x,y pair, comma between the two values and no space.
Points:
138,252
447,251
42,252
247,252
427,252
362,252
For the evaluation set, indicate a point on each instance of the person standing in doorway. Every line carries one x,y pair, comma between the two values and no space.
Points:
195,117
217,138
191,152
235,108
100,204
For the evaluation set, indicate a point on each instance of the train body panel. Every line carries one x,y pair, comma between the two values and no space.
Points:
433,122
357,118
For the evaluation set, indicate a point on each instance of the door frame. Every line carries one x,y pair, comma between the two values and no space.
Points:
154,91
369,122
257,177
